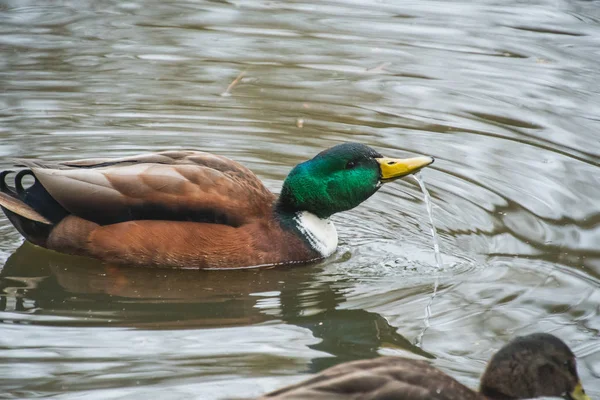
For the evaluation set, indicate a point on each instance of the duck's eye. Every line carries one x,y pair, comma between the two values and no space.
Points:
571,367
350,164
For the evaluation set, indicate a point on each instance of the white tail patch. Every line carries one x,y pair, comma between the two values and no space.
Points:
321,233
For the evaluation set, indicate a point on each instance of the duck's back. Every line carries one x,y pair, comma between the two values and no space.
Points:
173,186
383,378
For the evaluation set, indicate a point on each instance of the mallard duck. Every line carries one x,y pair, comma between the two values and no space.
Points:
529,366
190,209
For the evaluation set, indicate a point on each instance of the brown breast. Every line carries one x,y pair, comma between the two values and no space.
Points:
182,244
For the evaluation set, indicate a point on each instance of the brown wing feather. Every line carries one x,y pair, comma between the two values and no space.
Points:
174,185
18,207
382,378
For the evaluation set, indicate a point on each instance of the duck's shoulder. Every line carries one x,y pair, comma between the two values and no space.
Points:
378,379
170,185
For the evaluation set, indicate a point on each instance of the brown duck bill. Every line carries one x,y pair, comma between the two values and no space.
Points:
394,168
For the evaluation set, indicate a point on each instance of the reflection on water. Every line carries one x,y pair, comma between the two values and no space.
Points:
501,94
65,291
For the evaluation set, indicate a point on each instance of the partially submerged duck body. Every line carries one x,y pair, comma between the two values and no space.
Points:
528,367
190,209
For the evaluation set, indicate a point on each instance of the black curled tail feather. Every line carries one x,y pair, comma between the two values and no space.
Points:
19,180
38,198
3,186
31,210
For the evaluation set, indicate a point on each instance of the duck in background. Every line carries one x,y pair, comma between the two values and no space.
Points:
530,366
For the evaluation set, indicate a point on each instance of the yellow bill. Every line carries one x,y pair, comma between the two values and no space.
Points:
394,168
578,393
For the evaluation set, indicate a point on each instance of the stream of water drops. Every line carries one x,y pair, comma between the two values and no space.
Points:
427,199
438,255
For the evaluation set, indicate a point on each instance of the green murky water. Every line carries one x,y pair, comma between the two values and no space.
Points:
505,95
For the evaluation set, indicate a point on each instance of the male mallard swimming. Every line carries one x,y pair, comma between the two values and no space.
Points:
530,366
191,209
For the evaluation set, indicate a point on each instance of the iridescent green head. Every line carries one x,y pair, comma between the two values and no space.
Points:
340,178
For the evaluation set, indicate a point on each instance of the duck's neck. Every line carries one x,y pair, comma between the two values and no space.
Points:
319,233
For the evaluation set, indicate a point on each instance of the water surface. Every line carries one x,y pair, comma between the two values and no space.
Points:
504,95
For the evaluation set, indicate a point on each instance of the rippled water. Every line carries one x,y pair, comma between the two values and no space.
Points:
504,95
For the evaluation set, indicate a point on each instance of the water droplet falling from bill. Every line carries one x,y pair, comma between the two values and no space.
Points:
438,255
